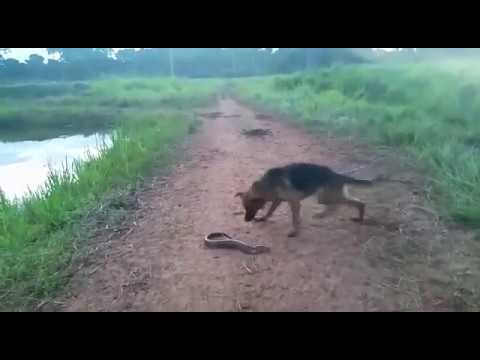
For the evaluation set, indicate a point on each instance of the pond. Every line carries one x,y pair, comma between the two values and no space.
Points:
25,165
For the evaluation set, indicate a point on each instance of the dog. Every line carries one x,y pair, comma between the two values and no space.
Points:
295,182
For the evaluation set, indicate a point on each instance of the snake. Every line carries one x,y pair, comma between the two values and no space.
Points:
222,240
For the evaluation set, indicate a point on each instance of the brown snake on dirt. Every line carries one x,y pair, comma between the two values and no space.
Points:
221,240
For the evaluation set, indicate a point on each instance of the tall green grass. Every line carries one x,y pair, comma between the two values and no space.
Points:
36,233
432,110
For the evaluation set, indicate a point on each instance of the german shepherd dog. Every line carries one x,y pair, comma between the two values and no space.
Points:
295,182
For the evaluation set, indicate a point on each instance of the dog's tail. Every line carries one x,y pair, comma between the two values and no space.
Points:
345,179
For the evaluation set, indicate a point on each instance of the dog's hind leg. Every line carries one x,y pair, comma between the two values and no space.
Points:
329,197
355,203
330,209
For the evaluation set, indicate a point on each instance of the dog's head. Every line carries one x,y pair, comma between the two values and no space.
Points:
252,203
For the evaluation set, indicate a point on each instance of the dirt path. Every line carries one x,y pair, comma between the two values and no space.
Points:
400,259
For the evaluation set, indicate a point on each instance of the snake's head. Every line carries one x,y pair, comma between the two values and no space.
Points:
260,249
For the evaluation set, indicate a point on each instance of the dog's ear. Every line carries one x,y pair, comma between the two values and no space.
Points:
239,194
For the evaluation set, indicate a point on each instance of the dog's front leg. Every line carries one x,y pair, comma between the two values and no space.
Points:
275,205
295,208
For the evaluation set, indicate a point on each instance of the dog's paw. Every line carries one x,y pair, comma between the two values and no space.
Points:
293,234
262,219
357,220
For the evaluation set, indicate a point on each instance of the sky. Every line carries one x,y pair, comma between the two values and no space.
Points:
22,54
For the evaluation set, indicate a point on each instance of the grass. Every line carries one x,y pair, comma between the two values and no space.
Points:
429,109
37,242
29,112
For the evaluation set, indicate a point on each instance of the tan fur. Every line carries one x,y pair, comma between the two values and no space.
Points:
276,190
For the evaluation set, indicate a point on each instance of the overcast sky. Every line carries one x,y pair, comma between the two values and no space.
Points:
22,54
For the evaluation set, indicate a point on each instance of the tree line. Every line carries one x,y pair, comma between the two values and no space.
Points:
88,63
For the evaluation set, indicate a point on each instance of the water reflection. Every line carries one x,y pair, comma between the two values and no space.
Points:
25,164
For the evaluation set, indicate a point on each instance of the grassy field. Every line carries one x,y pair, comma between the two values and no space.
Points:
431,110
37,239
38,111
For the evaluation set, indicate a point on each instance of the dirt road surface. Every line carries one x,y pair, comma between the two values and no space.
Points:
401,259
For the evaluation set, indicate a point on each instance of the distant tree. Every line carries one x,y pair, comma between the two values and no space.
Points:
35,66
35,60
171,61
78,54
54,70
14,70
2,65
88,63
84,63
145,61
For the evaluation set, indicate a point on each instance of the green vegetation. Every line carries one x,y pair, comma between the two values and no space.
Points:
32,111
36,234
429,109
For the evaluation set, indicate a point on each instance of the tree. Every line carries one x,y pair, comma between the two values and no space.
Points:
14,70
35,66
172,62
88,63
84,63
54,70
70,55
35,60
